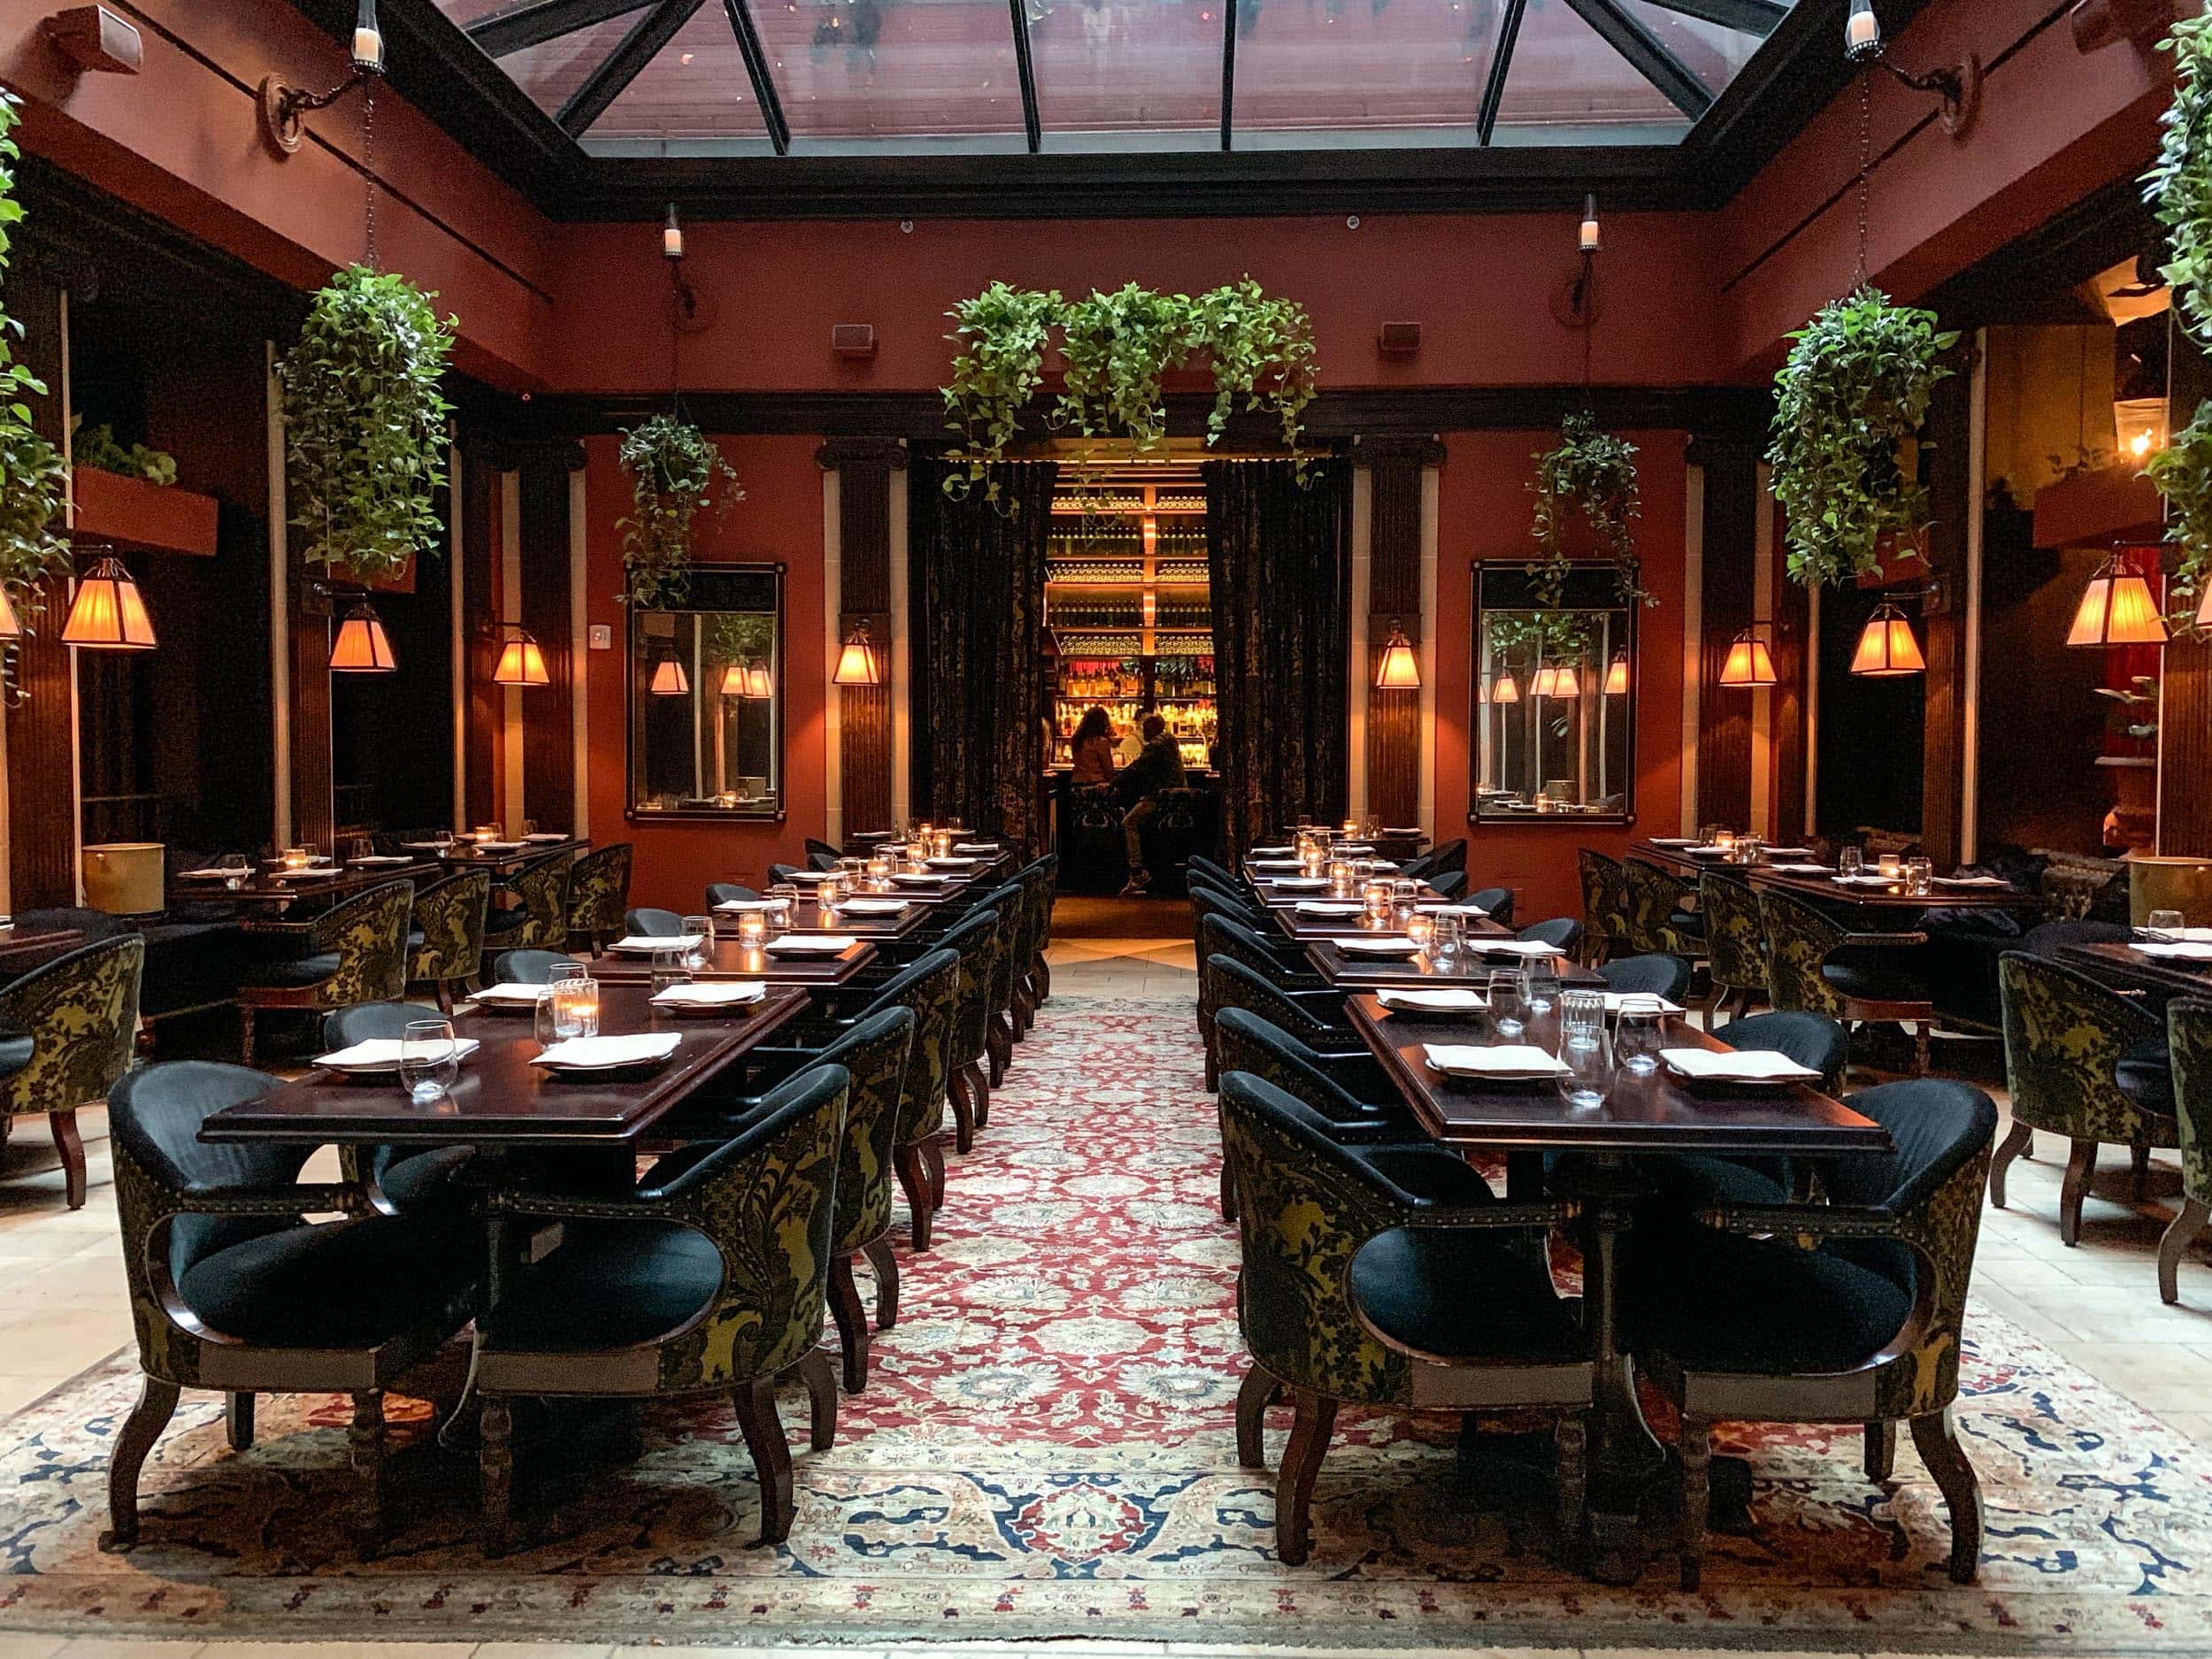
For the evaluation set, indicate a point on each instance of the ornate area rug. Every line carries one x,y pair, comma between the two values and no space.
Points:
1045,1450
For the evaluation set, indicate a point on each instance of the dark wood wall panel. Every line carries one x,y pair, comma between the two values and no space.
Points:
2184,715
1952,490
1792,620
864,468
548,610
1395,464
41,798
1729,605
479,506
313,806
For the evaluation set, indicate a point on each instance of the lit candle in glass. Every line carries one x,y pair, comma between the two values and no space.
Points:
1340,878
752,929
941,844
1890,866
1376,896
878,873
1421,929
1726,840
296,858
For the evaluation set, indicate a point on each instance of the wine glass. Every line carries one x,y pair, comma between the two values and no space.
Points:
428,1061
1506,1007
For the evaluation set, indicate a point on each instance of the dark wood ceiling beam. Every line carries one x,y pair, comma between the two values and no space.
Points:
1018,13
538,21
1500,64
1746,17
1647,54
757,71
622,66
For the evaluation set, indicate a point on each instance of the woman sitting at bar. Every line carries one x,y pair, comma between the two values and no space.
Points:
1094,748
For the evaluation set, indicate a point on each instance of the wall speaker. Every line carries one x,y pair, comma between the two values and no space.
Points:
1400,339
853,340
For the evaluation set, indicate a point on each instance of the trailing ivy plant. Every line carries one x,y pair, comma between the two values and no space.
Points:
674,472
2182,472
1593,474
1002,333
98,447
32,476
1263,351
365,423
1849,404
2178,187
1117,349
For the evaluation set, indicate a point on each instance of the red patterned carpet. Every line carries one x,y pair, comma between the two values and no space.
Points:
1046,1451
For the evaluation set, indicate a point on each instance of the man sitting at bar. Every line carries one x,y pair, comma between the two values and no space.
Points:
1158,766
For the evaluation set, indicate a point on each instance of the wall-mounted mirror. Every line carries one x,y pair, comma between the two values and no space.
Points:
1555,713
706,698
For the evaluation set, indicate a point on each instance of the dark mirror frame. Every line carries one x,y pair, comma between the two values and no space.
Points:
714,588
1506,584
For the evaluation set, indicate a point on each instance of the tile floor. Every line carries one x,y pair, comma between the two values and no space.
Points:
62,1309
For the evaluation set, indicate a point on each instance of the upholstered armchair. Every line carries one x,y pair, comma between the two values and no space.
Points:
403,1179
538,918
933,994
980,937
1040,929
1735,943
1604,903
1815,962
598,893
357,952
1355,1290
78,1017
1012,905
1314,1017
727,893
1036,884
529,967
232,1289
445,933
1656,974
1742,1320
2064,1034
2189,1037
1659,913
715,1281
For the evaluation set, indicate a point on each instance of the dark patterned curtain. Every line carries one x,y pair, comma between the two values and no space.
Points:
1281,598
978,593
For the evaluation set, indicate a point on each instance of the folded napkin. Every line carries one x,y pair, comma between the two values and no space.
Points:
381,858
950,864
1788,852
1395,834
1514,948
809,875
873,907
918,878
1398,946
738,906
652,944
1969,881
1868,881
303,873
1304,884
498,847
518,995
1330,907
1738,1065
211,874
1638,1002
1361,847
593,1053
710,993
1503,1060
1434,1002
1272,852
427,846
1801,870
2182,935
1473,912
545,835
1274,863
811,944
1674,841
381,1054
2179,951
1705,849
975,847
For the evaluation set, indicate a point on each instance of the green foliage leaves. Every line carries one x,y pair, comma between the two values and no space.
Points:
97,446
1592,472
2182,472
1849,400
674,473
1117,350
33,477
2178,187
365,422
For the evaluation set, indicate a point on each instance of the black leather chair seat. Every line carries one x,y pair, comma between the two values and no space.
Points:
611,1283
1689,1182
2145,1074
1462,1293
423,1180
347,1284
16,1045
1688,924
300,971
1425,1171
1859,974
1726,1303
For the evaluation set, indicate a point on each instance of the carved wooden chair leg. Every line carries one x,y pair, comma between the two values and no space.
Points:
2081,1169
820,1378
238,1420
881,1257
1259,1391
1695,1447
157,1403
999,1046
366,1438
962,1111
445,996
2186,1230
852,1322
1314,1417
755,1406
933,1149
2139,1165
2019,1142
1938,1442
912,1165
1920,1044
495,1471
1881,1452
70,1144
979,1085
1572,1439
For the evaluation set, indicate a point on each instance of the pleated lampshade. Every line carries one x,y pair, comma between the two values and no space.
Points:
1616,676
520,663
107,613
1506,690
1887,649
669,679
1749,664
362,646
2117,608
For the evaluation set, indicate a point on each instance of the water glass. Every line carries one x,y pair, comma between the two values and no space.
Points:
1539,986
700,954
1918,873
428,1061
1405,898
575,1001
1582,1016
2163,924
1421,929
1589,1069
236,868
1850,861
1638,1034
1448,938
783,908
669,969
1506,1007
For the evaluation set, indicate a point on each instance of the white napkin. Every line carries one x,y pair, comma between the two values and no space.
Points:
212,875
1706,848
1674,841
738,906
499,847
1273,852
1513,947
545,835
1473,912
381,1054
1303,884
302,874
649,944
1801,870
592,1054
2184,935
1395,834
1639,1002
1790,852
1330,907
510,991
811,944
1434,1002
810,875
915,878
873,907
1274,863
427,846
1738,1065
381,858
1500,1060
975,847
1969,881
950,863
2177,952
710,993
1397,946
1868,881
1361,847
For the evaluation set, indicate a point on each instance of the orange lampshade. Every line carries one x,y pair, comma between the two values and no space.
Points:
1887,649
732,680
520,663
1505,690
669,679
1399,670
362,646
2117,608
108,613
1565,682
858,664
757,684
1542,680
1616,676
1749,664
10,625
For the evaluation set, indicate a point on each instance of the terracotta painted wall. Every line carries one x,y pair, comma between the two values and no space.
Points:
781,519
1483,512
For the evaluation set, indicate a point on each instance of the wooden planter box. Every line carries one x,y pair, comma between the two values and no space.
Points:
133,513
2110,506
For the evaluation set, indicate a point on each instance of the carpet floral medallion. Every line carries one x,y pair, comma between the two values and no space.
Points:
1045,1450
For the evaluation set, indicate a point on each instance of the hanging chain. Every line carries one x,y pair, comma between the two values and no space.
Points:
368,164
1866,143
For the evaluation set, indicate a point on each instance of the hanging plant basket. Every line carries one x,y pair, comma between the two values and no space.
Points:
676,476
1592,475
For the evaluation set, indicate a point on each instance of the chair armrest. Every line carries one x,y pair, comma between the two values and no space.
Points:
564,1207
305,1199
1879,941
1438,1217
1808,1221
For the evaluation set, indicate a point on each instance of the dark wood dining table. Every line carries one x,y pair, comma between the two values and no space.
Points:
2129,970
807,919
729,960
1355,971
501,858
1826,890
271,900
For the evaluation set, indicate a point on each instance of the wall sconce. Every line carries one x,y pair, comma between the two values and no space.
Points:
10,625
284,109
669,679
687,313
1616,676
1399,669
1959,85
521,663
1564,683
1887,649
1506,690
859,664
108,613
1576,303
758,686
1750,665
1590,238
2117,608
362,646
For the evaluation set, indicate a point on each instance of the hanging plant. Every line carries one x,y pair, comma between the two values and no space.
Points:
365,423
1002,333
2178,187
32,476
2182,472
1593,474
673,472
1117,349
1850,403
1263,351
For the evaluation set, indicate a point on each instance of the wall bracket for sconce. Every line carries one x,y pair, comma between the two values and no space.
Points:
689,311
315,598
285,109
1575,303
1959,85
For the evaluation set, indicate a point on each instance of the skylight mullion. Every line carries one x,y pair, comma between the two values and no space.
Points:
1017,14
1501,61
758,72
1746,17
1647,54
622,66
538,21
1228,74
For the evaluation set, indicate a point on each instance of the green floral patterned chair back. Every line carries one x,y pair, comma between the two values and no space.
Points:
980,940
2064,1035
368,932
1231,984
1735,933
541,892
1012,905
81,1012
1049,868
1653,897
1799,938
599,890
875,1054
1303,1216
1604,899
934,996
449,915
1036,884
2189,1035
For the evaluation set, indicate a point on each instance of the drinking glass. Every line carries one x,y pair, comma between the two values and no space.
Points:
1850,861
429,1062
1589,1068
1539,985
236,868
1448,937
575,1000
752,929
1889,866
700,954
1405,898
1918,873
1581,1017
783,914
1376,894
2163,924
669,969
1340,878
1638,1034
1506,1007
1421,929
